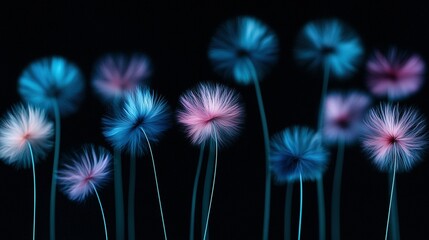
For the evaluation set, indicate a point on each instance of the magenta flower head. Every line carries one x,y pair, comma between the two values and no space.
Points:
23,126
395,75
210,110
115,75
394,134
89,170
343,116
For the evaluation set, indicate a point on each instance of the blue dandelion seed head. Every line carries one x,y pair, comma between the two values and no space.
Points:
297,151
52,79
141,110
329,42
243,48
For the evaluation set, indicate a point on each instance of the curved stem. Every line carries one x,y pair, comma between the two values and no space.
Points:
213,186
34,190
131,198
300,206
321,203
156,183
288,210
101,208
391,196
55,169
207,186
119,195
336,192
267,200
194,192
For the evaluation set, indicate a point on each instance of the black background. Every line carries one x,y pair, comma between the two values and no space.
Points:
176,35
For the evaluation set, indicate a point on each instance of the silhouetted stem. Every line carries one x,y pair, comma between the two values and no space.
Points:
206,190
391,196
119,196
213,186
300,206
156,183
394,218
34,190
55,170
194,192
288,210
336,192
131,198
321,202
102,211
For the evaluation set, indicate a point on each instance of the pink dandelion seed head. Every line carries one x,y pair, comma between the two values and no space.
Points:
394,133
115,75
23,126
210,110
89,169
395,75
343,116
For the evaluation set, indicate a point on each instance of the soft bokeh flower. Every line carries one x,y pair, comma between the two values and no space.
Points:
89,169
243,48
297,151
52,79
209,110
141,109
332,43
395,75
115,75
343,116
394,133
21,126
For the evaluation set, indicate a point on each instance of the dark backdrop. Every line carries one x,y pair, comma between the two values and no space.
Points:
175,36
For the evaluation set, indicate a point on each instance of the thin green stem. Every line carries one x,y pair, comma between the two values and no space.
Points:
336,192
131,198
34,190
288,210
321,202
213,186
156,183
300,206
266,224
101,208
55,170
119,196
391,196
206,190
194,192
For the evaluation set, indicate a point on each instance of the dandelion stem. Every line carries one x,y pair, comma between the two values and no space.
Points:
320,191
156,183
101,208
394,221
288,210
391,196
119,198
213,186
55,169
206,190
300,207
34,190
267,200
194,192
336,192
131,198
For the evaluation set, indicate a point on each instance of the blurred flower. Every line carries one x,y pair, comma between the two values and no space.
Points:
22,126
243,48
343,116
395,75
394,133
52,79
89,170
115,75
141,109
210,110
329,42
297,151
